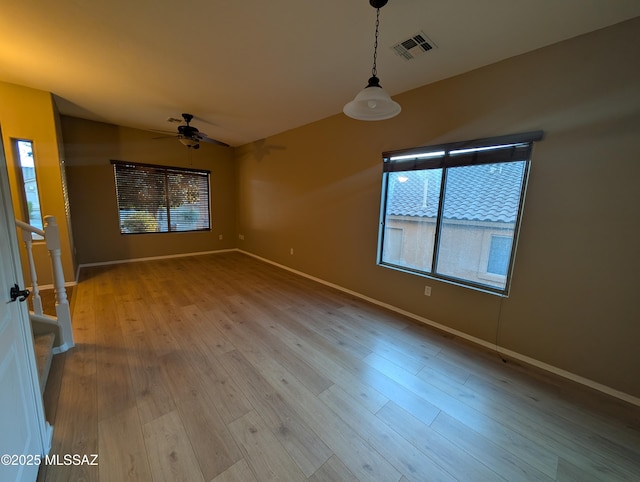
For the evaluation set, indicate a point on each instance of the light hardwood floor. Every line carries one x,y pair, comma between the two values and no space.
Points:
224,368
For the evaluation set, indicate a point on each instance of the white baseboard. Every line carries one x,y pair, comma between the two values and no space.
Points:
152,258
490,346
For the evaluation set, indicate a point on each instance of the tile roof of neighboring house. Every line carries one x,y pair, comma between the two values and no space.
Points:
488,192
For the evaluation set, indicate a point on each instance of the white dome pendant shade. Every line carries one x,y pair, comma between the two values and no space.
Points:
372,103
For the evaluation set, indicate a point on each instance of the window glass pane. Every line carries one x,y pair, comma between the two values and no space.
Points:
477,200
410,218
27,165
189,199
141,199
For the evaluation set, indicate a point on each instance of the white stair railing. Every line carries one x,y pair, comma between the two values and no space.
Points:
27,231
62,320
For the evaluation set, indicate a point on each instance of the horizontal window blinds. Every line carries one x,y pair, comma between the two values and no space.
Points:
510,148
156,199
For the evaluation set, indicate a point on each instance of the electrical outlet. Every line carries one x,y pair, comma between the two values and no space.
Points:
291,251
241,236
220,237
427,290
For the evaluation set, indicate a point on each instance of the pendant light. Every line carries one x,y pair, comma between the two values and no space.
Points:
373,102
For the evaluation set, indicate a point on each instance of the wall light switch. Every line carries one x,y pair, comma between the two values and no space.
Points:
427,290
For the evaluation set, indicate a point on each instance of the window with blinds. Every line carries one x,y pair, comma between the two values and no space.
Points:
159,199
452,212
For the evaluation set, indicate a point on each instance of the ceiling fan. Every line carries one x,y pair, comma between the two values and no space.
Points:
190,136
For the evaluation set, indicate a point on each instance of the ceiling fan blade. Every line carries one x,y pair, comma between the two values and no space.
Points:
212,141
167,133
201,119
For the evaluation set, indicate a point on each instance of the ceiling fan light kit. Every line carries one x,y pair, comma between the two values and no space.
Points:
373,102
189,142
190,136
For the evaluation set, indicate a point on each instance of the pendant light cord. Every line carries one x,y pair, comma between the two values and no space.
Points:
374,70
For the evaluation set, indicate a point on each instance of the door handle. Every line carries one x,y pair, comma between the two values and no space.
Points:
17,294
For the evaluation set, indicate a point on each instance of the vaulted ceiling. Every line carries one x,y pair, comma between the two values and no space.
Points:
249,69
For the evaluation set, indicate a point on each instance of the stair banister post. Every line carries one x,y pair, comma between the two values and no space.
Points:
36,300
52,237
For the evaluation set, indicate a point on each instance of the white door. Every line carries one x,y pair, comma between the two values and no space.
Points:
25,436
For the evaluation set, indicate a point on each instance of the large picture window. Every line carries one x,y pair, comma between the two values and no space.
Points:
158,199
453,211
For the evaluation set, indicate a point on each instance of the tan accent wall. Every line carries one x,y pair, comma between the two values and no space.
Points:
573,302
29,114
91,146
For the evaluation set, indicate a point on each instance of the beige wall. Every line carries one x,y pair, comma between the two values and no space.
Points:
573,302
91,146
316,189
30,114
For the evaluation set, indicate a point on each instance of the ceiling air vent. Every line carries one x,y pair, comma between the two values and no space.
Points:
414,46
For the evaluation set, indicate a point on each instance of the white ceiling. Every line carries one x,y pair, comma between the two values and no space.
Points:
252,68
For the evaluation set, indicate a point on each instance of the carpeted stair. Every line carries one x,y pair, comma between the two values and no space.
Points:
44,354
